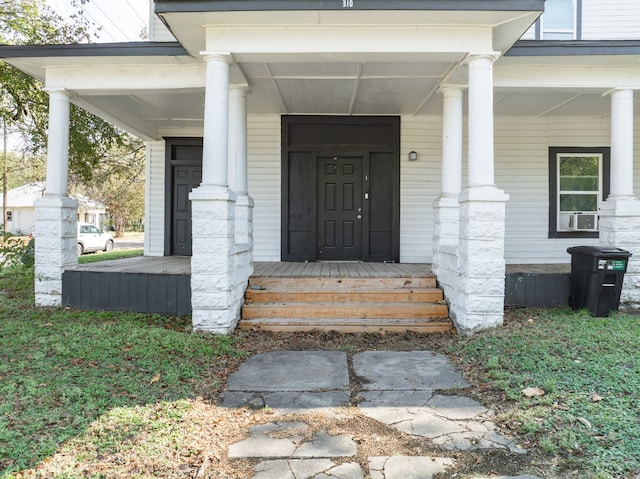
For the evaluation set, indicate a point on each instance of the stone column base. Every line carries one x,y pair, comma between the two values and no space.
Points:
216,290
620,227
477,301
56,240
446,226
244,219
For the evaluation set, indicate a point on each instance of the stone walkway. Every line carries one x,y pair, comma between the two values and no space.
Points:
397,389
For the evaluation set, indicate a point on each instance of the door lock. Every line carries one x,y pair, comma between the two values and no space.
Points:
359,217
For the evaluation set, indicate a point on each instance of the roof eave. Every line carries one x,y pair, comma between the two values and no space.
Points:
173,6
547,48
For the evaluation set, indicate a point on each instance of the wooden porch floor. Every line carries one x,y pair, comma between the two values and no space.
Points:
182,265
263,269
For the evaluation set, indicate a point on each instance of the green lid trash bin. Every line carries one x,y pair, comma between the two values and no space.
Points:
597,273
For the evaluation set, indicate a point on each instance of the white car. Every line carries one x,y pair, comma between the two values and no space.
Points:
91,239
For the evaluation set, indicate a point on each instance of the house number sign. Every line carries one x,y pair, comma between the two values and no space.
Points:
347,3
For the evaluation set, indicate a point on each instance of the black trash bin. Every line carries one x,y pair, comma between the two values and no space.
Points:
597,273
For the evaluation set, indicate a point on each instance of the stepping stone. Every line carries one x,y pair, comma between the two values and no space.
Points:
307,469
456,407
261,442
455,423
406,371
526,476
293,402
285,439
324,445
407,467
280,371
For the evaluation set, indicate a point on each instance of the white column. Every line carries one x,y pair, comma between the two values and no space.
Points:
446,207
238,178
621,144
58,143
216,289
238,138
452,141
477,301
481,120
55,213
216,120
619,223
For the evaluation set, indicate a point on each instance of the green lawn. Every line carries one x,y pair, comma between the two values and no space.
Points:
68,375
589,369
84,389
102,256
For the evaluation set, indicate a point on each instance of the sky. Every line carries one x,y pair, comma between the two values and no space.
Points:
121,20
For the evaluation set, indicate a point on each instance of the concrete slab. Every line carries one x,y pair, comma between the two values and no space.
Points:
407,467
456,407
324,445
292,371
285,439
526,476
294,402
307,469
270,440
406,371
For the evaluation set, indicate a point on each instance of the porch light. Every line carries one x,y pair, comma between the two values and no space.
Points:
413,156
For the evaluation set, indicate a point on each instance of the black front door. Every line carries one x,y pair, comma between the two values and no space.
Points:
185,179
340,188
339,233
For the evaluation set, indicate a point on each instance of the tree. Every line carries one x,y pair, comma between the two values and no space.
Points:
119,183
104,162
23,104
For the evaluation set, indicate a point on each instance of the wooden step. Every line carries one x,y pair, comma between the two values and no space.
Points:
427,281
347,325
388,302
426,295
345,311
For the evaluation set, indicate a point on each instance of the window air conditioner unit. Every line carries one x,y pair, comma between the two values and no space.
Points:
583,222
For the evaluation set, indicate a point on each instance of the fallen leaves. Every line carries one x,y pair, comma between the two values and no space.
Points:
533,392
155,379
584,422
596,397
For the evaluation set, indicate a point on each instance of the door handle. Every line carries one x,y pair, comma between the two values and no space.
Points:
359,217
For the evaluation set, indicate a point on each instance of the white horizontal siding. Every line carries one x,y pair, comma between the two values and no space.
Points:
521,166
158,32
264,172
420,185
154,199
529,34
610,20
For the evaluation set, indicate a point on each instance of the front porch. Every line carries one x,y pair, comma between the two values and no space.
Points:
163,284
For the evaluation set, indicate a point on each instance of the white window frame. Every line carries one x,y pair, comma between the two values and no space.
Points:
560,215
604,166
574,32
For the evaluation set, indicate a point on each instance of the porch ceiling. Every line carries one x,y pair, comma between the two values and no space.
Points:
375,85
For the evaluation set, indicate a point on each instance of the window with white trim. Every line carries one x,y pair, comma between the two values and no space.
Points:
9,215
560,20
578,183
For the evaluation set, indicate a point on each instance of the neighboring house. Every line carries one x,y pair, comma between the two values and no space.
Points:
21,212
468,134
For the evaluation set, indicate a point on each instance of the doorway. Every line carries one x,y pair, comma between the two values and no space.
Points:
184,172
340,188
340,205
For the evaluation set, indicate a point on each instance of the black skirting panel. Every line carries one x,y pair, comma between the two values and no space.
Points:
116,291
538,290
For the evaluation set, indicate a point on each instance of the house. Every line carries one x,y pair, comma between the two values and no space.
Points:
21,211
470,134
